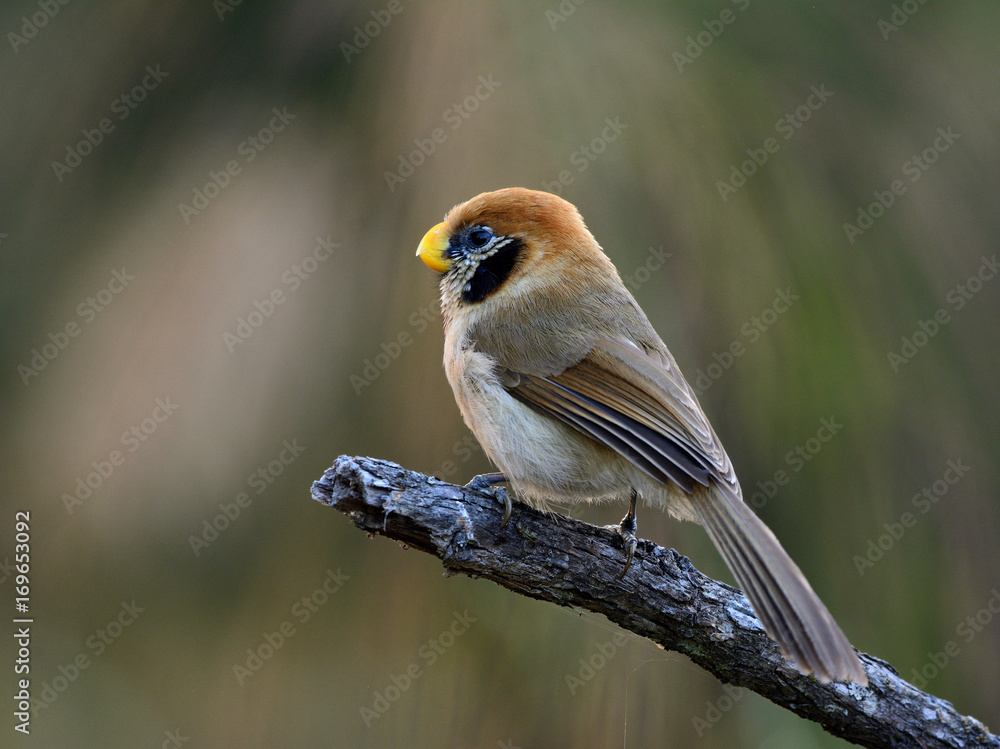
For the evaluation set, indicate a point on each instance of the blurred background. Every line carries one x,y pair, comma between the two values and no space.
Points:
208,216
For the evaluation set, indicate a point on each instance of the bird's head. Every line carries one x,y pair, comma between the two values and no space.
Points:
511,242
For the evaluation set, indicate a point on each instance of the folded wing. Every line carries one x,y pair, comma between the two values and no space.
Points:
646,412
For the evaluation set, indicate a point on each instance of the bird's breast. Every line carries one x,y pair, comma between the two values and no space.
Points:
542,458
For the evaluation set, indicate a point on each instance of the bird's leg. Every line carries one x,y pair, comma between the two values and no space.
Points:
485,481
626,529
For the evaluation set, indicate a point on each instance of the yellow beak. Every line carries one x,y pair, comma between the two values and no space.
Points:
432,248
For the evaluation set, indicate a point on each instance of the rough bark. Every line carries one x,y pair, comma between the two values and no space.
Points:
662,597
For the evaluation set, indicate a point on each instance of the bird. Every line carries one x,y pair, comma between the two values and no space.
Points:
572,394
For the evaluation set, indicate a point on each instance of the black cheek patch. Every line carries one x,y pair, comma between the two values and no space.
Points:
492,272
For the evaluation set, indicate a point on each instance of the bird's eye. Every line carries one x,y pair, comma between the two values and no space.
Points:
480,237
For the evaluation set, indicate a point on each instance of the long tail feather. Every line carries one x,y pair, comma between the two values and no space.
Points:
781,596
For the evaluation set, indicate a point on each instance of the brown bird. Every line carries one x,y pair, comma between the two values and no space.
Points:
572,394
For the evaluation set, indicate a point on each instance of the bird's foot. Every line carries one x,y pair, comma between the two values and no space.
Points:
627,532
487,483
626,529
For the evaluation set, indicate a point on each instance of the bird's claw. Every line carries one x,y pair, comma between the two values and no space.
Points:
487,483
629,539
626,529
502,495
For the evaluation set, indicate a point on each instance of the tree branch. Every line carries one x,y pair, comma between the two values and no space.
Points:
663,597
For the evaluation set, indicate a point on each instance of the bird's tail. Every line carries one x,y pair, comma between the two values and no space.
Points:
781,596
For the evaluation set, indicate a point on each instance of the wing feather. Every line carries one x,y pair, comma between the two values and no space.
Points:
637,404
646,448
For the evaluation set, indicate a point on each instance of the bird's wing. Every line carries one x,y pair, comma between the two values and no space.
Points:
638,404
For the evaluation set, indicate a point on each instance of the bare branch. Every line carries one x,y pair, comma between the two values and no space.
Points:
663,597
